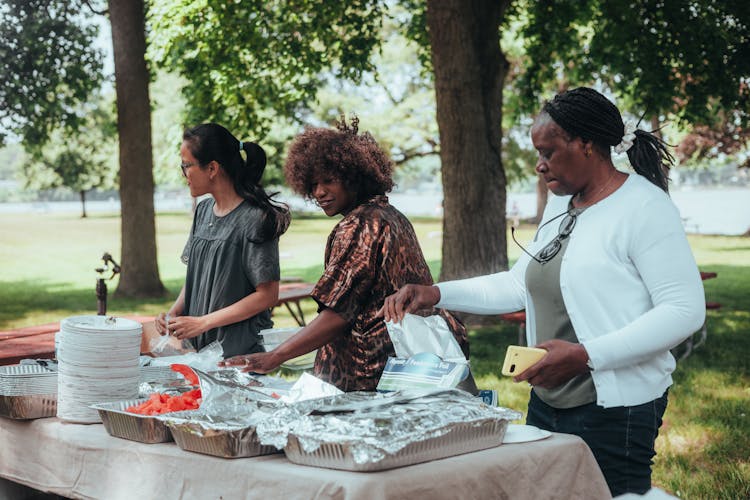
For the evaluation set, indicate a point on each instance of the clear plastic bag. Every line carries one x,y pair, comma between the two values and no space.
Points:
167,345
206,359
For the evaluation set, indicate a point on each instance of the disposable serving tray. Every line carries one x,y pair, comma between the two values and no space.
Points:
27,380
239,443
122,424
27,392
28,407
461,438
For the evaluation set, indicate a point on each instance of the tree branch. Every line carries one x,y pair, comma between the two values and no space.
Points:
409,155
91,7
387,91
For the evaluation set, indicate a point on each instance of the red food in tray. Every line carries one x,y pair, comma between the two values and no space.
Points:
159,403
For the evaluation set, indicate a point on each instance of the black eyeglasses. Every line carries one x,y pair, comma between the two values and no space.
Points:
548,252
185,166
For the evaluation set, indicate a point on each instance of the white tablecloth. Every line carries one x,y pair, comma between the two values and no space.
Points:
83,461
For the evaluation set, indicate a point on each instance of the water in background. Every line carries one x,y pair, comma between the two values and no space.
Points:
704,210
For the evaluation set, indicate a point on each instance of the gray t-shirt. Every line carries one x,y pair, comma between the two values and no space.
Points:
226,260
553,322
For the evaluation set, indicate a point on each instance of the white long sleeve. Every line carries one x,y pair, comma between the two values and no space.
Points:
630,284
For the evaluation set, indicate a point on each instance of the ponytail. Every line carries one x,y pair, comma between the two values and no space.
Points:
650,158
276,216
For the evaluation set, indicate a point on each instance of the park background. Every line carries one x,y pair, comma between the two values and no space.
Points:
265,69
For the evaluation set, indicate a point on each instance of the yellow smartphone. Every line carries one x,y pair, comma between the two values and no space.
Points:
518,359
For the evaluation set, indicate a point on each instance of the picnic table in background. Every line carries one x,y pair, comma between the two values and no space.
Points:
38,342
35,342
290,295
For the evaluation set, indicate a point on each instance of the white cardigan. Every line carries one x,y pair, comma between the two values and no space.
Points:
629,282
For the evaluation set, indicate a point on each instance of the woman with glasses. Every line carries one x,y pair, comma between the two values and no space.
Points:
371,252
609,285
232,253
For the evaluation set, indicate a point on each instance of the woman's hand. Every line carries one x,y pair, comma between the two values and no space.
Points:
260,362
186,327
161,324
409,299
564,360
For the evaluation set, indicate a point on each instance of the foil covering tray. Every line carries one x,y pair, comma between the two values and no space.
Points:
462,438
122,424
236,443
28,407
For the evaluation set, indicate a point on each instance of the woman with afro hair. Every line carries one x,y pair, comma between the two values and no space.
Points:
370,254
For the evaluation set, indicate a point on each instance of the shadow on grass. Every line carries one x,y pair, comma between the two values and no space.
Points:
49,302
707,425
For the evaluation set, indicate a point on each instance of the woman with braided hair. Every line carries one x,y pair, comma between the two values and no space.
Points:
370,254
609,285
232,253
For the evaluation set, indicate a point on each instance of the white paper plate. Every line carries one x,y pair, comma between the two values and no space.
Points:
517,433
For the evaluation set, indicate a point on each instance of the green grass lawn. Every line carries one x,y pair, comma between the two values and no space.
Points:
47,273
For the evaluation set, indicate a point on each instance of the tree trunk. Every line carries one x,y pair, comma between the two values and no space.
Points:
469,73
82,194
140,272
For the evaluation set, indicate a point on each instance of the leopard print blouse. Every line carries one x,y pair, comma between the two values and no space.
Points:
371,253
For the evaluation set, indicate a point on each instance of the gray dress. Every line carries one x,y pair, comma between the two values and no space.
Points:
226,260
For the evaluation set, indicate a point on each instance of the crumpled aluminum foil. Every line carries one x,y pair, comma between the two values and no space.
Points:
373,425
228,404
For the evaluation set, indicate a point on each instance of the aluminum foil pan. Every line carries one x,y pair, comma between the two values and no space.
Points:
237,443
230,436
27,380
224,426
459,439
371,431
122,424
28,407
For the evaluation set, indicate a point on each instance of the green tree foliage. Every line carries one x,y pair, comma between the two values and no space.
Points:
395,102
80,163
684,59
241,60
48,67
245,59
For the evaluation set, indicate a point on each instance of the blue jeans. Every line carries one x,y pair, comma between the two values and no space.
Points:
621,438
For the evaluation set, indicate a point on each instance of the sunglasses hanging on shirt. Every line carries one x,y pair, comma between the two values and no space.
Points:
551,249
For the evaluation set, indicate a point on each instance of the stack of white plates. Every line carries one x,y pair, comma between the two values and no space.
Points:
97,362
27,380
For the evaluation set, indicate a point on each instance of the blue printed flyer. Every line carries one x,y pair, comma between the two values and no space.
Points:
421,371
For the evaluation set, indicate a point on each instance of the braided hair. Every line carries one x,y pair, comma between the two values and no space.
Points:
583,112
210,141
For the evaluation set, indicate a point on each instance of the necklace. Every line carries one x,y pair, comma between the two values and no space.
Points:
606,185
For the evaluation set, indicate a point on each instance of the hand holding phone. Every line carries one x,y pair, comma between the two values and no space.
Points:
518,359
